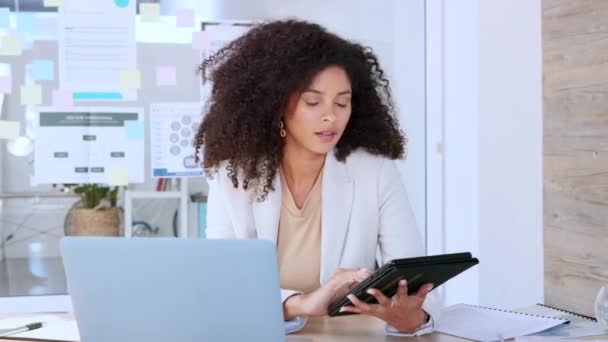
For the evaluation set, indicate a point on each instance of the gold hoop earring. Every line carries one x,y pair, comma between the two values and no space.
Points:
282,130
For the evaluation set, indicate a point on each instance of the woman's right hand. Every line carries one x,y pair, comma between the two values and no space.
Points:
316,303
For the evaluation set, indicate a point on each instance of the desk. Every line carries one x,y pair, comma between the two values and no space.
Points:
337,329
353,328
359,328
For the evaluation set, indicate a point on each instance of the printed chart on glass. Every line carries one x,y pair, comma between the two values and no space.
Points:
173,127
89,145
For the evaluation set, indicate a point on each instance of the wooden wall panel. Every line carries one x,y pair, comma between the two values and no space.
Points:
575,100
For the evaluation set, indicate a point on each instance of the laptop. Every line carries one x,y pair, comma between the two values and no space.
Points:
168,289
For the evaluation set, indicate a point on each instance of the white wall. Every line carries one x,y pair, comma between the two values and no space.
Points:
461,127
492,134
393,28
510,153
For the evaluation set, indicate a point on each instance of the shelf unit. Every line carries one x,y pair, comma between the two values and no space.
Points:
181,194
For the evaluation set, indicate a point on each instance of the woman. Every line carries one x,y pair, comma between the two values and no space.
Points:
298,142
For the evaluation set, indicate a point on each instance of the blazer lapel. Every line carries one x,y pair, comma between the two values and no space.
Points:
337,200
336,206
266,214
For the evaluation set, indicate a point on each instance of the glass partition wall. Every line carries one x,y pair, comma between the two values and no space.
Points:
33,216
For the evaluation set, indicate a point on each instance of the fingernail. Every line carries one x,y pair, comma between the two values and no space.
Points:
430,287
370,291
350,296
403,282
342,309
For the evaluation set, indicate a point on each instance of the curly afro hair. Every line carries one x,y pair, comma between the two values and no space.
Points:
253,78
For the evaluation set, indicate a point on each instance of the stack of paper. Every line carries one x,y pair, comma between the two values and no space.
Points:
487,324
580,326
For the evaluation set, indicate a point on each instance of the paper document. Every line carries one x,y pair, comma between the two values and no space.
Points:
56,328
486,324
534,338
580,326
173,128
96,43
82,145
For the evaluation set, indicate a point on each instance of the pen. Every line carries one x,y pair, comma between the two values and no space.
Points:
28,327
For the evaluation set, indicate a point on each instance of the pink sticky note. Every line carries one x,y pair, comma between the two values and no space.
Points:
201,40
6,84
62,99
184,17
165,75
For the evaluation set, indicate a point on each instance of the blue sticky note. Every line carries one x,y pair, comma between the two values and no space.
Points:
26,22
41,70
4,21
121,3
134,129
27,42
92,95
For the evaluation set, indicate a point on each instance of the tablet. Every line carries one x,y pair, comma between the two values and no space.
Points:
436,269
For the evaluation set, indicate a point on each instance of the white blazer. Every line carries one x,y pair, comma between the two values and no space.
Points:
365,214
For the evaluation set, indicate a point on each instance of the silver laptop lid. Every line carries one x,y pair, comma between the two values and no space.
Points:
167,289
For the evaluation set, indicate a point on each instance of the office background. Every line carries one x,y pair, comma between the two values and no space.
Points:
504,113
157,44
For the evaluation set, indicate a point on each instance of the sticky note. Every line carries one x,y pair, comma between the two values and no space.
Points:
10,45
149,12
130,79
53,3
200,40
9,129
184,17
6,84
41,70
47,28
31,94
122,3
26,22
27,43
134,129
118,176
62,98
5,69
165,75
4,15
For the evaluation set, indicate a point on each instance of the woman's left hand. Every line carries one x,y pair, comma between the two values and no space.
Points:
401,311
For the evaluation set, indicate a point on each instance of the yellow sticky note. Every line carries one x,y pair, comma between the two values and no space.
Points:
9,129
149,12
10,45
118,176
53,3
130,79
31,94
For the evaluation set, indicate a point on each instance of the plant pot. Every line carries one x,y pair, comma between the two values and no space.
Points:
96,222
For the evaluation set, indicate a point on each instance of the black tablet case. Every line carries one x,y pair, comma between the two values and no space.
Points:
436,269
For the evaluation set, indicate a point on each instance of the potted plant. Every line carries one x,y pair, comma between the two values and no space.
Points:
96,213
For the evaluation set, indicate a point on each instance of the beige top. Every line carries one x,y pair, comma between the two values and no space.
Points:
299,240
